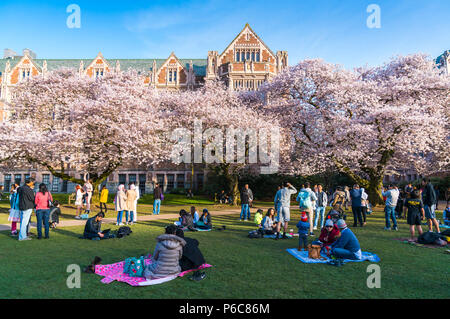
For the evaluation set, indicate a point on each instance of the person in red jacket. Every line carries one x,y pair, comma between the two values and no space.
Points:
328,235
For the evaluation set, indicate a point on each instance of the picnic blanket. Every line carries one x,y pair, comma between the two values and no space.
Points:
415,243
303,257
273,236
114,272
199,229
444,226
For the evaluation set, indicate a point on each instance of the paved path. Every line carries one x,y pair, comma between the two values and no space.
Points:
77,222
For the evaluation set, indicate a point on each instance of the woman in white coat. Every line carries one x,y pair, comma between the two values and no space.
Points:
120,202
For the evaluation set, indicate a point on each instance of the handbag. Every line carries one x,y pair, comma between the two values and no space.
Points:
162,196
134,267
314,252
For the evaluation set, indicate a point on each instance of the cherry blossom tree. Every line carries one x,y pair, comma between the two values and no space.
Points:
213,114
65,122
365,123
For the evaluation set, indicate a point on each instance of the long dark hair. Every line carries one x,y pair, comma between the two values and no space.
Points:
43,188
268,213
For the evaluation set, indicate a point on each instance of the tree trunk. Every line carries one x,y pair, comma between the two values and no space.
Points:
374,191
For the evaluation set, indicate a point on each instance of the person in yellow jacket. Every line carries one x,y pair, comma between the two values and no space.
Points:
258,217
103,198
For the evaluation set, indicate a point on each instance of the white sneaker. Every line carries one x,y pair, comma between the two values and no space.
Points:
121,224
315,228
27,238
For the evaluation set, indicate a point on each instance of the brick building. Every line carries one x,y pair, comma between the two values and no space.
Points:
246,63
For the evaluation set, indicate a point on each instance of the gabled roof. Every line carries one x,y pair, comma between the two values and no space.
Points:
254,33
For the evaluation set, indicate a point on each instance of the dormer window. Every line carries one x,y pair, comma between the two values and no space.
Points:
172,78
25,74
99,73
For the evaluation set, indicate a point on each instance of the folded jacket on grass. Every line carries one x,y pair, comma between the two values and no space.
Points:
303,257
114,272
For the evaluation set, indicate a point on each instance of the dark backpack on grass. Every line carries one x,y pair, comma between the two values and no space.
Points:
124,231
255,234
429,238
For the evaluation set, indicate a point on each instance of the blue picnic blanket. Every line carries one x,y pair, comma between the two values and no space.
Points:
199,229
444,226
303,257
273,236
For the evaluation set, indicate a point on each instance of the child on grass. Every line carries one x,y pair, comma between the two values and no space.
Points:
55,211
303,229
446,215
416,213
258,217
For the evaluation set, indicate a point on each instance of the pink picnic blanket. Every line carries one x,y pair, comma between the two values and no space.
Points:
113,272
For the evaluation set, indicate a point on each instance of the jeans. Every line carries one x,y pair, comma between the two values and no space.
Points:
103,205
42,216
131,214
25,216
321,211
390,213
156,206
245,211
344,254
119,217
357,215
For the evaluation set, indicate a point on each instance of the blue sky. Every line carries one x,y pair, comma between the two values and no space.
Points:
334,30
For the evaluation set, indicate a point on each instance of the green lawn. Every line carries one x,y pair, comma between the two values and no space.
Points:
243,267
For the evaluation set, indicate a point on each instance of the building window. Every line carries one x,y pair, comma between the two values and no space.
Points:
160,179
170,182
180,181
132,178
122,179
142,181
257,56
55,184
46,180
253,55
7,182
18,179
199,181
238,55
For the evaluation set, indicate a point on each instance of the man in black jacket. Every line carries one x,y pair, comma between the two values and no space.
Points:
192,257
246,201
157,192
26,205
92,230
429,201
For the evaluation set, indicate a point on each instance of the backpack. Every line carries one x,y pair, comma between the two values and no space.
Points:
305,200
134,267
255,234
429,238
124,231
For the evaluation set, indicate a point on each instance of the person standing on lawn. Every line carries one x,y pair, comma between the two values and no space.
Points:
120,203
246,201
157,195
42,201
391,202
429,201
284,216
26,205
131,204
321,204
14,212
305,198
355,196
104,198
138,195
276,201
416,213
88,189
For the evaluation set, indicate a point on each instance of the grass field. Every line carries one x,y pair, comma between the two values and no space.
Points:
243,267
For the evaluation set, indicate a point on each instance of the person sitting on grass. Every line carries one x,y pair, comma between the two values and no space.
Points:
205,220
416,213
446,214
192,256
194,214
92,230
347,245
268,224
55,211
328,235
258,217
303,230
167,255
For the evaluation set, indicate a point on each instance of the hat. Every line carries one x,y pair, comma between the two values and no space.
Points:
304,218
329,222
205,210
341,224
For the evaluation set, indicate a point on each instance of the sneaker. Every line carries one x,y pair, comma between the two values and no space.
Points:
396,228
277,236
121,224
387,228
311,234
77,217
245,220
315,228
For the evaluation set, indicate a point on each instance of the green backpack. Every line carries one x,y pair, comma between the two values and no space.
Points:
134,267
